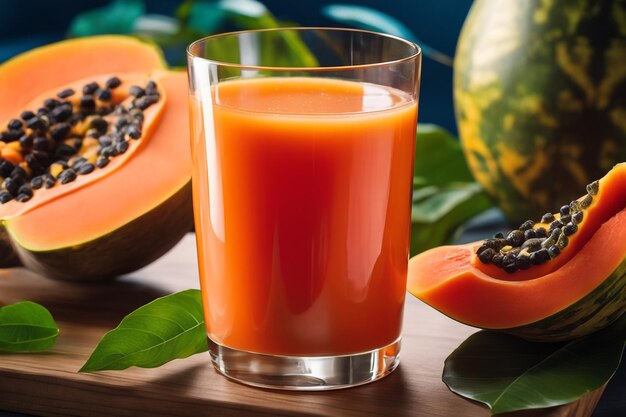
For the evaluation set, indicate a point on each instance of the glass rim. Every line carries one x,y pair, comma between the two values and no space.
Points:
417,50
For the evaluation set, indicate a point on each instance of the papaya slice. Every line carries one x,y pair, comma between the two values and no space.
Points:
580,290
128,198
55,65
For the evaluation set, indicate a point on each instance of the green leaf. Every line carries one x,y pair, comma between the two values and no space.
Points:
437,219
445,195
371,19
26,327
119,16
168,328
509,374
439,158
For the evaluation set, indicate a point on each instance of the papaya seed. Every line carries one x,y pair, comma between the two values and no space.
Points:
486,255
113,83
5,197
554,251
577,217
593,188
570,228
515,238
68,92
586,201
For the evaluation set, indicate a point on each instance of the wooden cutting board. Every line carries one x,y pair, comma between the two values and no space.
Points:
48,383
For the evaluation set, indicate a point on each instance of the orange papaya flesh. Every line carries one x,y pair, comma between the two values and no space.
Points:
582,293
55,65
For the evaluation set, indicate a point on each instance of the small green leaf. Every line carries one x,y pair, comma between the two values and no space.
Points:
26,327
168,328
439,158
371,19
510,374
437,218
119,16
445,195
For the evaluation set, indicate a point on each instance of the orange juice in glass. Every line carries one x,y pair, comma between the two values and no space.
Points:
302,196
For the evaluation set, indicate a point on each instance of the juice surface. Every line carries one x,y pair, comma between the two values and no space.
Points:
303,213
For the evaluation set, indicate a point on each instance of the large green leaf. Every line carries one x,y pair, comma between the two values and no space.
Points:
119,16
444,194
371,19
509,374
439,158
438,217
168,328
26,327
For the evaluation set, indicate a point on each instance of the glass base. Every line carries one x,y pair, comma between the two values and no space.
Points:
305,373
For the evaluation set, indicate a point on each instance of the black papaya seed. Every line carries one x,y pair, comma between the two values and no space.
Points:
14,124
515,238
49,181
104,94
497,260
555,225
22,198
90,88
529,234
86,168
113,83
541,232
532,244
5,197
528,224
486,255
68,92
554,251
593,188
522,262
539,257
547,218
136,91
27,115
577,217
37,182
25,189
67,175
569,229
51,103
102,161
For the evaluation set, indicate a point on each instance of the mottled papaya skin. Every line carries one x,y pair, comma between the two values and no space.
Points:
124,250
540,98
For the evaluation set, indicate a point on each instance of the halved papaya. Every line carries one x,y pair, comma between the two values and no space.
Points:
95,166
573,290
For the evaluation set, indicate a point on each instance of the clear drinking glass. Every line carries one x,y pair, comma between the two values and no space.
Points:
303,143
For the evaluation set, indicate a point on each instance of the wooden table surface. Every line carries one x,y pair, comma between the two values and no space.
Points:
48,383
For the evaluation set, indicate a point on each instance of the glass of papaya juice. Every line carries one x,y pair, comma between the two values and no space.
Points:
302,145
